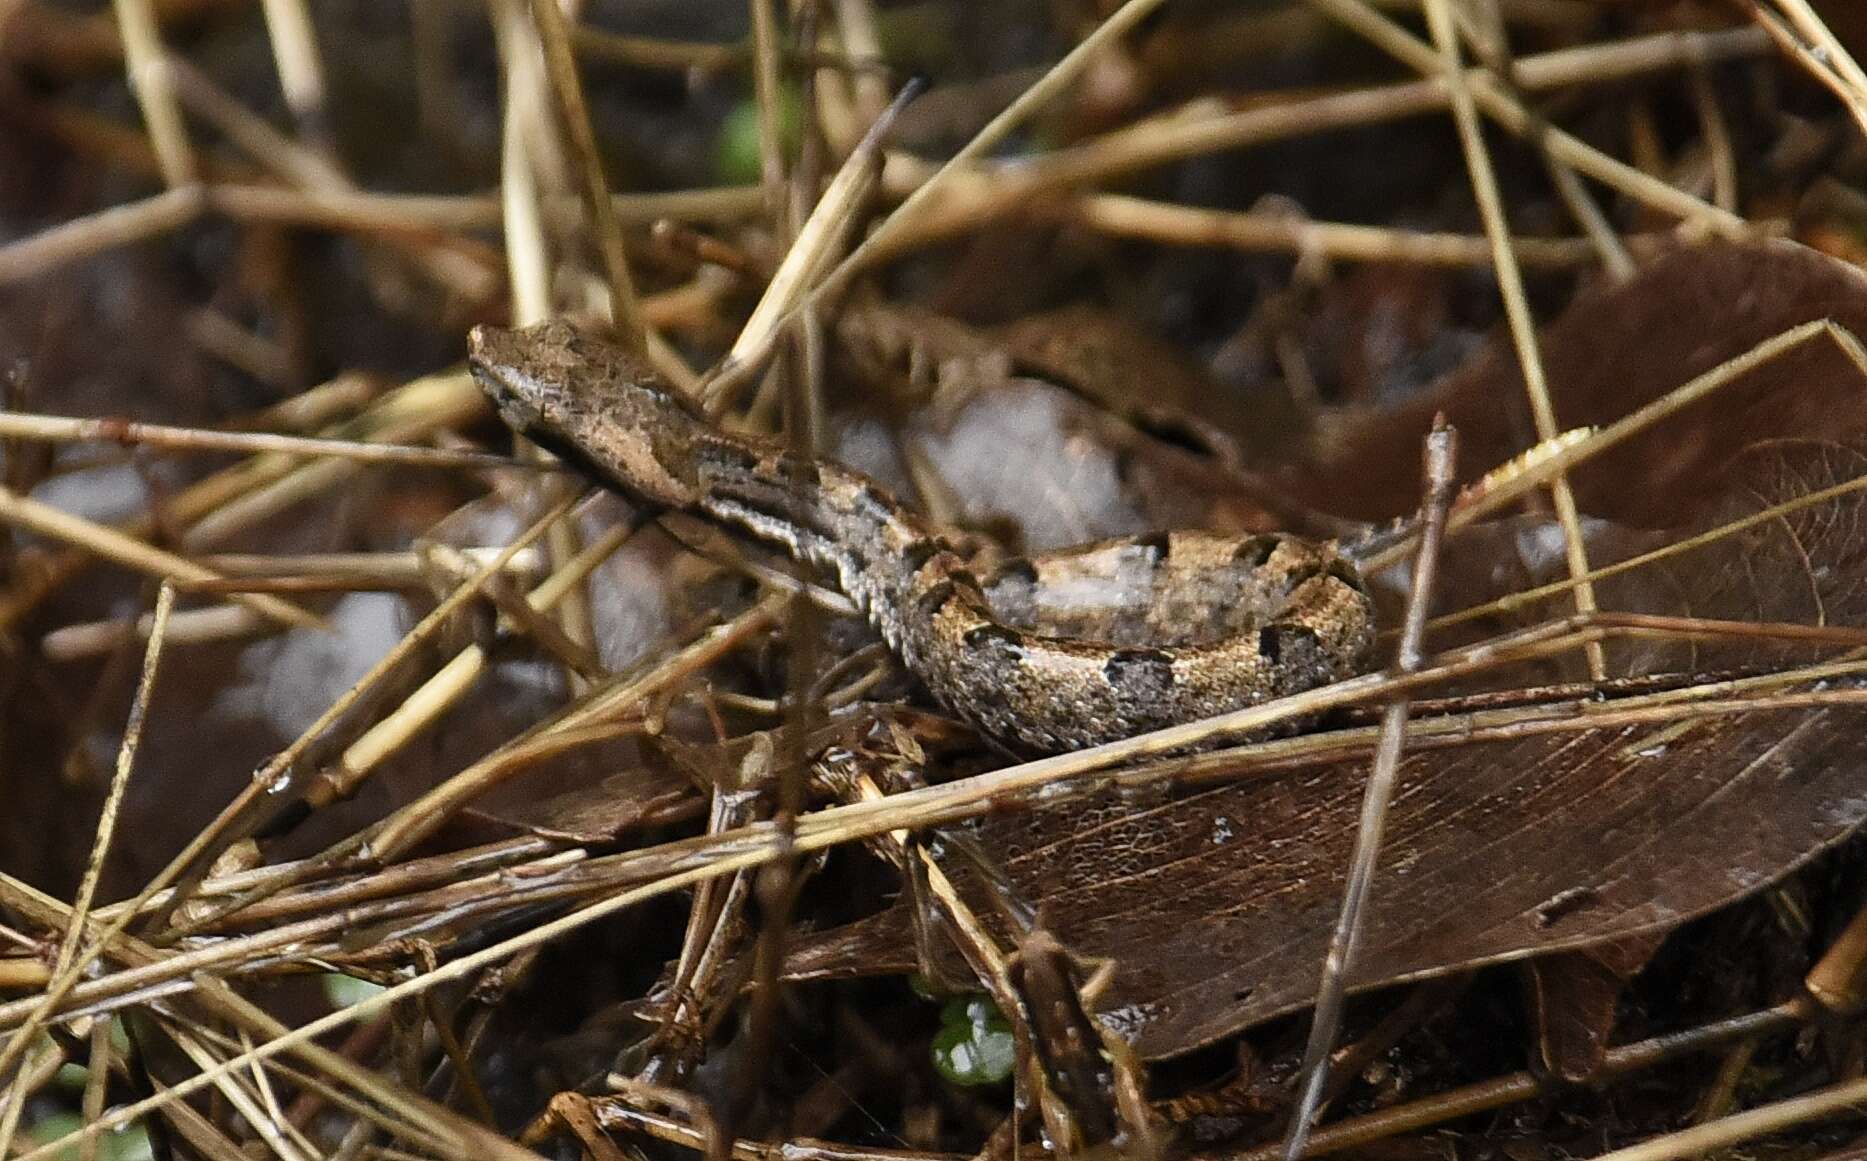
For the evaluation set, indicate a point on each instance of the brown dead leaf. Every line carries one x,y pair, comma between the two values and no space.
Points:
1615,348
1217,906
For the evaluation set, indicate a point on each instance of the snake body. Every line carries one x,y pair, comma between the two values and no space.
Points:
1049,654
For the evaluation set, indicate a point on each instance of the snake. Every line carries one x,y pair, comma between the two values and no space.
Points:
1048,653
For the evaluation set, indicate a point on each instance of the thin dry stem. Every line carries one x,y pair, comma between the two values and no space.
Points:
1820,51
1052,82
1258,231
1720,155
239,812
246,497
1525,597
1539,465
239,497
1492,46
1440,464
855,21
1502,1091
195,626
38,516
62,429
301,72
92,234
147,63
66,969
644,52
414,822
766,94
1199,129
1516,304
1503,107
1700,1140
305,167
818,241
564,878
574,115
421,708
816,831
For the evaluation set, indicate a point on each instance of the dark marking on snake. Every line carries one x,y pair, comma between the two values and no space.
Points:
801,472
1348,574
915,556
1015,568
1300,577
1270,645
990,636
725,457
929,601
1255,551
609,414
1139,670
1159,543
1284,644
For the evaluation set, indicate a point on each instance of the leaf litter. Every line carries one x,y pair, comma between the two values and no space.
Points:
629,751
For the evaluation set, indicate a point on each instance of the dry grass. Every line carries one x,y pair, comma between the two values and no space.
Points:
194,958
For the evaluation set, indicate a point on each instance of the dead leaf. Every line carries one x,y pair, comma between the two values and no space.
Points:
1616,348
1217,905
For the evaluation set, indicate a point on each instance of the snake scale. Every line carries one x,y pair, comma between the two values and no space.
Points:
1050,653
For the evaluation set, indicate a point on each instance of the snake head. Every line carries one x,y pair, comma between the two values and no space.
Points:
594,404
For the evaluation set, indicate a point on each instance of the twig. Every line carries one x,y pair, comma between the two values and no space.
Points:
1544,462
1701,1140
436,695
309,169
1826,58
502,886
1259,232
301,73
750,847
130,552
1519,1086
266,780
94,638
94,233
67,970
420,818
1524,597
1060,76
25,425
148,66
1441,467
1507,111
1516,303
817,242
574,115
643,52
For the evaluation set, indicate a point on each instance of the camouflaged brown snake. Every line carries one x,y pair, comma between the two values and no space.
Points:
1064,650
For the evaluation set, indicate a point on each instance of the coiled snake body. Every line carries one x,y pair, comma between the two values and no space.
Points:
1060,651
